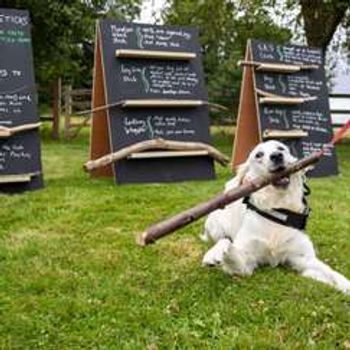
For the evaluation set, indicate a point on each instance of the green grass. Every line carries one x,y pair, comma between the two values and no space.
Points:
71,276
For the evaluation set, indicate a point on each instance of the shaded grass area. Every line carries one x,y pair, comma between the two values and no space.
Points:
72,277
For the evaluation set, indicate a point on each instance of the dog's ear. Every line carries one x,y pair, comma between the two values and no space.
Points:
242,171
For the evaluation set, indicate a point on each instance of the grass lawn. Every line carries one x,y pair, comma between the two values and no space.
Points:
71,276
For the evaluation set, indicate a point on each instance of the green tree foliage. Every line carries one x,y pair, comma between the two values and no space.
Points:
316,22
225,26
320,19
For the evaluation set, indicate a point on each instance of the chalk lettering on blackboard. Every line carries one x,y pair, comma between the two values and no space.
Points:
6,74
161,79
285,119
276,116
148,36
313,120
19,20
157,126
120,34
279,50
283,85
13,104
14,37
139,38
294,85
289,54
150,127
19,152
13,152
303,85
145,82
269,83
311,147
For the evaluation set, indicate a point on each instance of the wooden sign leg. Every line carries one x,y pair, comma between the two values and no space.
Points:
247,131
99,142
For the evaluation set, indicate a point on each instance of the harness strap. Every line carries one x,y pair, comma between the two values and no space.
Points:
284,216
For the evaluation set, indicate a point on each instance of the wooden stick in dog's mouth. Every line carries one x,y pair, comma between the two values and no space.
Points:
186,217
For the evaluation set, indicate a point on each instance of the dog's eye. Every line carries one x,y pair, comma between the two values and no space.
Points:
259,155
280,148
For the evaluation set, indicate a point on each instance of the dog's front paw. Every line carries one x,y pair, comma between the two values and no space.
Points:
215,255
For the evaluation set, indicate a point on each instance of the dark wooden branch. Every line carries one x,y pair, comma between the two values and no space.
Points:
180,220
156,144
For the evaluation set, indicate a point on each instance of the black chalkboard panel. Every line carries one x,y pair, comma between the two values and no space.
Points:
19,153
129,78
135,78
312,116
181,124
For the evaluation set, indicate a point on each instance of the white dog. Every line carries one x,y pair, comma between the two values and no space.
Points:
267,227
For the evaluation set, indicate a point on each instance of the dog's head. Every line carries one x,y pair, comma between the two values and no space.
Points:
267,158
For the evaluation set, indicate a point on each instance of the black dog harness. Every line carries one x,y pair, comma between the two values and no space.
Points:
284,216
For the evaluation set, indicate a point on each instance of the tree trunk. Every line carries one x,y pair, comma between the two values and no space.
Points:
321,19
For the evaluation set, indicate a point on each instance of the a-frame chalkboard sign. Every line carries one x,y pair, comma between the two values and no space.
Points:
20,160
149,85
284,96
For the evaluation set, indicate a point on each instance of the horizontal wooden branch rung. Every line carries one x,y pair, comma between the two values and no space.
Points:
154,144
7,132
286,100
278,67
15,178
168,154
267,94
166,103
149,54
286,134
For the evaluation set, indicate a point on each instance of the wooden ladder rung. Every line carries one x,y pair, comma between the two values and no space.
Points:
166,103
167,154
278,67
15,178
285,100
167,55
286,134
5,133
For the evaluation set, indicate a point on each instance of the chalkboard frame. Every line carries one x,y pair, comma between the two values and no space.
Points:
103,136
251,127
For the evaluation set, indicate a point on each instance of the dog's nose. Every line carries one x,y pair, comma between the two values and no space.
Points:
276,157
